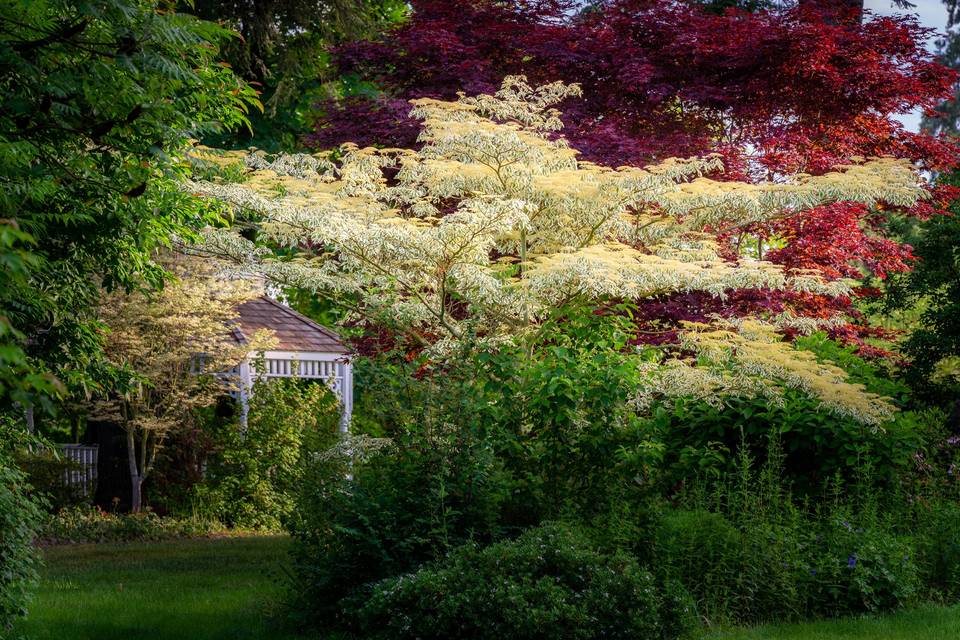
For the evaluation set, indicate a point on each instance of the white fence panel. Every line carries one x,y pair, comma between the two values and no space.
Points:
84,476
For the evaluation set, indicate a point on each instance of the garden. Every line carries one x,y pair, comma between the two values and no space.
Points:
375,319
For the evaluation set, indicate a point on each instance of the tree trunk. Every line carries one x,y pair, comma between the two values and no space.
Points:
136,480
28,419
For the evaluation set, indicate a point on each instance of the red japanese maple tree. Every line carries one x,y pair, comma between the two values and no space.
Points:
776,91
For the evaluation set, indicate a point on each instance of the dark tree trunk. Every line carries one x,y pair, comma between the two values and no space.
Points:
136,479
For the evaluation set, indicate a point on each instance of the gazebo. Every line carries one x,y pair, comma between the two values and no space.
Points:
303,349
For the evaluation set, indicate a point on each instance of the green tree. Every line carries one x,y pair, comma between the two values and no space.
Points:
946,116
934,288
282,51
155,340
99,100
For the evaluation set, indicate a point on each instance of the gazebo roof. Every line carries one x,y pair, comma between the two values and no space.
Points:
294,331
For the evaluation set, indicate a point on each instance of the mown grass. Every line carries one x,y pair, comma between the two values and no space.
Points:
208,589
924,623
231,589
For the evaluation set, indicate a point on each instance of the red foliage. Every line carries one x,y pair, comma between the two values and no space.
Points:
774,92
788,88
832,240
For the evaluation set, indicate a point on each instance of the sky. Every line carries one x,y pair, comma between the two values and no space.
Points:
932,14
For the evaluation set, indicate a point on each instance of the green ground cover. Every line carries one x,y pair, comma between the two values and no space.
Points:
204,589
925,623
230,588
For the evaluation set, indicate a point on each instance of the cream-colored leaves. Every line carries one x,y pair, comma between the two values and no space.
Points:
491,182
494,221
756,349
704,202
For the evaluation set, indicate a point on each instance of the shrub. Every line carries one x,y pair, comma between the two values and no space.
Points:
255,473
938,550
409,503
817,445
19,520
851,568
749,552
549,583
91,525
734,574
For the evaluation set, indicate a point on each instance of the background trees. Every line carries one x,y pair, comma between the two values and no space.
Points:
172,348
282,51
814,88
98,101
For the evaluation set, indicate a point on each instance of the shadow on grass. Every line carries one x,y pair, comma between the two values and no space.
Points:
212,589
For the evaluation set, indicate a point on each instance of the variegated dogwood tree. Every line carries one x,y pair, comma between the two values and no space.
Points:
493,227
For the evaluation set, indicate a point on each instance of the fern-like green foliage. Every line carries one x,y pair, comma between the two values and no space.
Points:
98,98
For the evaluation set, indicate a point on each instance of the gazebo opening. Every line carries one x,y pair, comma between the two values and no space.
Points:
303,349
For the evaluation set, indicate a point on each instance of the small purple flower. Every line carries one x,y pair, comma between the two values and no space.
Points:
953,440
852,561
813,572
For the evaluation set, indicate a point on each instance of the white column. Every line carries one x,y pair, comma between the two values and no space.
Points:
345,371
245,387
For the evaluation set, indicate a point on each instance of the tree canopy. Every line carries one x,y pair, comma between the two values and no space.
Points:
99,100
494,226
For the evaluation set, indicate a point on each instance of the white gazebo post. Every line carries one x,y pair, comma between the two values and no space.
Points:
245,386
345,373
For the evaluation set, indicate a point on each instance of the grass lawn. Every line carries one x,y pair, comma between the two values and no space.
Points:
227,589
926,623
210,589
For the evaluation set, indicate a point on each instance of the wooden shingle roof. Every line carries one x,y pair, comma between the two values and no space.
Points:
294,331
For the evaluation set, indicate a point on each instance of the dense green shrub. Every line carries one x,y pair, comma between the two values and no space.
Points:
938,550
255,472
91,525
854,568
483,447
809,566
735,574
729,508
749,551
19,521
700,438
406,504
551,582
